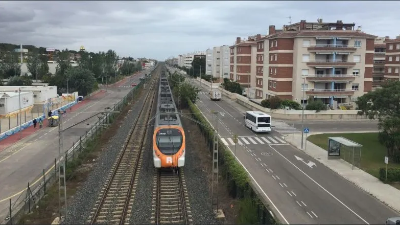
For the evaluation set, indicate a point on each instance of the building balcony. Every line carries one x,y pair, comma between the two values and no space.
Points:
330,77
329,92
379,53
378,72
377,83
331,62
330,47
260,62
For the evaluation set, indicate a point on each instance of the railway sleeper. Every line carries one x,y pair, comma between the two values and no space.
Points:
166,214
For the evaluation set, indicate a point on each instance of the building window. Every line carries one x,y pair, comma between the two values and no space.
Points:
275,71
274,85
389,70
270,83
357,58
270,70
354,87
398,46
390,47
272,58
397,58
304,87
390,58
396,70
356,72
306,43
304,72
276,43
357,43
306,58
276,57
272,44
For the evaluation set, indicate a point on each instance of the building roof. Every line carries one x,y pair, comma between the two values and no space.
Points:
321,33
392,40
346,142
10,94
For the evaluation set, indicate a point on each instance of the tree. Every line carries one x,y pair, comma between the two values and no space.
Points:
10,65
233,87
63,60
316,105
183,89
199,66
33,63
384,104
291,104
275,102
81,79
19,81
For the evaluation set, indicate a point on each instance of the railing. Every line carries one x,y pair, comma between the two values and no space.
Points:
37,188
329,90
379,62
330,75
380,53
330,61
331,46
378,71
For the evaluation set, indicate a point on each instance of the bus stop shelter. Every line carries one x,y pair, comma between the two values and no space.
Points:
348,150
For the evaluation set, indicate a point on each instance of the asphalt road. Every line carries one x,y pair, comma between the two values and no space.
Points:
336,126
26,159
301,190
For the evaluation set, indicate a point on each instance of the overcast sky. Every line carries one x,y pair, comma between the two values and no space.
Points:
163,29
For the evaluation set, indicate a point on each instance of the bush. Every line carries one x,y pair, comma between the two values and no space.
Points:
393,174
316,105
275,102
291,104
265,103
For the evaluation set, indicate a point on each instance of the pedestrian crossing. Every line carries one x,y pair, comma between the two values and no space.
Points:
203,93
124,86
253,140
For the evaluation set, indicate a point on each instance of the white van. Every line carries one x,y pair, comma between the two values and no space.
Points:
215,95
393,220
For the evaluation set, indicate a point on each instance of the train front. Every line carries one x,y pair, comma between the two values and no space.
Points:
169,147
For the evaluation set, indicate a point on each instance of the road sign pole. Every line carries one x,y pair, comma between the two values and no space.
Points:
305,143
386,162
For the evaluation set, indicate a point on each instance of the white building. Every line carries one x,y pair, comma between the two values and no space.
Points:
224,61
216,62
209,62
40,93
11,102
186,60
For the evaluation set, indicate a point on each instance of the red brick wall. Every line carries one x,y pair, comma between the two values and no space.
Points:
243,59
281,72
368,72
283,58
370,46
367,86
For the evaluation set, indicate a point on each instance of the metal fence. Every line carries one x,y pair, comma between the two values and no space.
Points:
37,188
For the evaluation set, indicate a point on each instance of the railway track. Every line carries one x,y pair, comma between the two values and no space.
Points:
170,203
114,204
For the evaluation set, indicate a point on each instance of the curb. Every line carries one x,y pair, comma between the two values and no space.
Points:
348,179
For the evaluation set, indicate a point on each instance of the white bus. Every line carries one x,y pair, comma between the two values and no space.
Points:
258,121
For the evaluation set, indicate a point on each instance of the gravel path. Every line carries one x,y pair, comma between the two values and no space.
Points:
79,209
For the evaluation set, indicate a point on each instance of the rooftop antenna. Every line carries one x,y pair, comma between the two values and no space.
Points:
290,20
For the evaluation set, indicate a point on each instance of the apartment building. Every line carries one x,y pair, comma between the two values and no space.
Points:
186,60
224,61
379,62
392,56
332,62
242,61
209,62
216,62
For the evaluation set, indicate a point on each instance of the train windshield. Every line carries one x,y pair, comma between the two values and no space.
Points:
169,141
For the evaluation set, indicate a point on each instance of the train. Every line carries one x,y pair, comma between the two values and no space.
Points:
169,137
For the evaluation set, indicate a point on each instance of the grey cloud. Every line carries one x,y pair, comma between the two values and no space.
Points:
160,29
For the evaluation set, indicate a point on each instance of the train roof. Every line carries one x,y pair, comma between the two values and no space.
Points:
167,113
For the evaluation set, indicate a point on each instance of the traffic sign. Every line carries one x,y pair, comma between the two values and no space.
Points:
306,130
386,160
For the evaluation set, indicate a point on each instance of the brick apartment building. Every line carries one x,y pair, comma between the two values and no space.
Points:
392,56
379,62
332,62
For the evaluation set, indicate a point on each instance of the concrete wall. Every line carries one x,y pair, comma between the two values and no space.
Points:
292,114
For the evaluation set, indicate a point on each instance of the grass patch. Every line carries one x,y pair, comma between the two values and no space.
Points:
372,153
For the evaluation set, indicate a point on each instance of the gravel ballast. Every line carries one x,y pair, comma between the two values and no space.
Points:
84,200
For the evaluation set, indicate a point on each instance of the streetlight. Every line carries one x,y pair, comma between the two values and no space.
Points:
302,114
20,116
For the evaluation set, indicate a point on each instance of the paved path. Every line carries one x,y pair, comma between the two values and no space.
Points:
384,192
23,161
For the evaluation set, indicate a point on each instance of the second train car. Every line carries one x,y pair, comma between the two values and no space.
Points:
169,137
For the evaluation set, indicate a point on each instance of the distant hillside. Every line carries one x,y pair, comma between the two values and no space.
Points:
6,47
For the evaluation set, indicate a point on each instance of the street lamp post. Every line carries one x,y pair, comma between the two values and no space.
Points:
302,114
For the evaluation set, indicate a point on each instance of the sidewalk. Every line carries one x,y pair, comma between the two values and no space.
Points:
372,185
9,141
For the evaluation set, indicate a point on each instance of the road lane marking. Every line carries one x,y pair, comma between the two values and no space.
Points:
289,193
274,177
309,214
278,177
258,185
223,141
271,170
304,203
281,184
266,140
259,159
315,182
293,193
273,140
282,141
259,140
267,170
231,141
285,184
252,140
299,203
314,214
245,141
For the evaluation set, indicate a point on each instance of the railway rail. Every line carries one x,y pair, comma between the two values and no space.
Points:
170,203
114,204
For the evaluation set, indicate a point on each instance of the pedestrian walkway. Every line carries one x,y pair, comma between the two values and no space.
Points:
253,140
284,128
384,192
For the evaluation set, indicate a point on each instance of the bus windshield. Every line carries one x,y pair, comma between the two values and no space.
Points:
264,119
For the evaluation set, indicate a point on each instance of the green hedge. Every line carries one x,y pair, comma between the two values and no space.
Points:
252,210
393,174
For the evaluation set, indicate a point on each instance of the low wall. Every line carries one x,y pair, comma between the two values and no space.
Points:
292,114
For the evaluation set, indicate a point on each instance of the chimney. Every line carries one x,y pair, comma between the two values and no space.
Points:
339,25
238,40
302,25
271,29
258,37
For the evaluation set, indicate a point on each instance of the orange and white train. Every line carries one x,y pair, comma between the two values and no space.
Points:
169,137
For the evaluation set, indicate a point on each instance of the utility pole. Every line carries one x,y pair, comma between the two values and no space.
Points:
215,169
200,75
20,121
22,59
62,185
302,114
235,140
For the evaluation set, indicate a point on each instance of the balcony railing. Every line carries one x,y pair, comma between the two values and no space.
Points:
330,75
379,53
329,60
336,47
379,62
330,91
338,62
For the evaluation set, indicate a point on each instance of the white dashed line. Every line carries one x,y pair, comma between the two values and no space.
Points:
289,193
273,177
271,170
314,214
303,203
278,177
309,214
293,193
281,184
267,170
298,203
285,184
